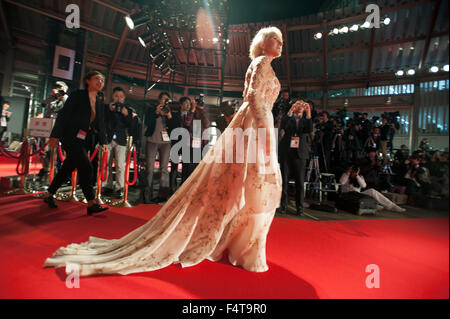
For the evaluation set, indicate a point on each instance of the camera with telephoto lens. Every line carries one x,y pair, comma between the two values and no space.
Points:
200,100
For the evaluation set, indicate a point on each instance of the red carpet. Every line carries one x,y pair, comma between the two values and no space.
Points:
307,259
8,166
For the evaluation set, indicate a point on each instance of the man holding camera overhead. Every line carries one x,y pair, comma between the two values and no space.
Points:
294,149
118,121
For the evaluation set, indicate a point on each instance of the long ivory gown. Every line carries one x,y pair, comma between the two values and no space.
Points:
221,206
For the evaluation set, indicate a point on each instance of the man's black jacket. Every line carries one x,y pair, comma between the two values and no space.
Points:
76,115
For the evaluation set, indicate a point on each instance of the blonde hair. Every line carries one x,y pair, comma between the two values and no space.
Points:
257,42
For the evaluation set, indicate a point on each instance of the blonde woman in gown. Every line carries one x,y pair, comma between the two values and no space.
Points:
221,206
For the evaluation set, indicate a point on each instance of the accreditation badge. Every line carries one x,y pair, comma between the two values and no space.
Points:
165,136
295,142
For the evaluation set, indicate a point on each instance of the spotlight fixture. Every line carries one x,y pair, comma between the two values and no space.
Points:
434,69
157,50
365,25
343,30
137,19
386,21
146,39
318,36
445,68
335,30
354,27
411,72
400,73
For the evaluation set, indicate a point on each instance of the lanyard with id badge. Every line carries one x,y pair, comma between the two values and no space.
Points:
295,141
196,140
164,134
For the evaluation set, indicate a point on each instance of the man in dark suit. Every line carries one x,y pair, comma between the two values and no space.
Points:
79,122
294,150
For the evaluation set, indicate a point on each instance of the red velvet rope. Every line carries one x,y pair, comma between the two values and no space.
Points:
128,166
7,153
93,154
104,166
24,157
61,156
39,150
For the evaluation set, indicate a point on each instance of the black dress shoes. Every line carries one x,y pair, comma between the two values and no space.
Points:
51,202
299,211
282,209
95,209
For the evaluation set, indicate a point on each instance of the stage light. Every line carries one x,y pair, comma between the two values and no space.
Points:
157,50
411,72
365,25
386,21
137,19
215,40
445,68
400,73
335,30
434,69
318,35
145,39
344,30
354,27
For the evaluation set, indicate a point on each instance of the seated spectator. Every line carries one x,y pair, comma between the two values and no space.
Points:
351,181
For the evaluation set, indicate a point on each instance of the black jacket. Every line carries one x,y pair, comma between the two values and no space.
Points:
305,127
117,124
75,116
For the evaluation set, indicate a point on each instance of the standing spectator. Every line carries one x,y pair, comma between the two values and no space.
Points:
81,117
118,120
294,150
352,145
281,107
5,117
385,133
55,101
196,143
158,141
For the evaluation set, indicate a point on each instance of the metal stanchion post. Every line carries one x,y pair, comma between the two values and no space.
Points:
72,196
51,170
124,201
25,160
98,194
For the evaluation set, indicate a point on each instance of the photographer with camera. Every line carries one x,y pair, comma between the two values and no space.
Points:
191,111
352,142
281,107
118,121
157,120
294,151
373,141
4,119
227,111
55,101
385,136
352,181
323,140
366,128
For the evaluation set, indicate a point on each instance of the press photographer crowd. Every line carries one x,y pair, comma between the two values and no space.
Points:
358,152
